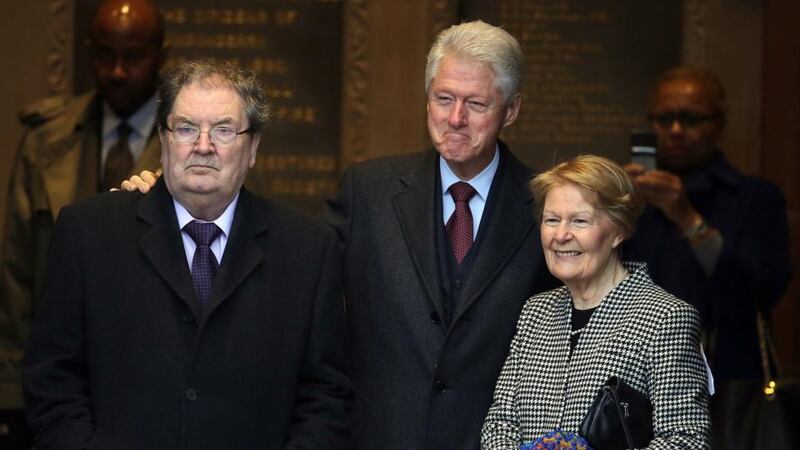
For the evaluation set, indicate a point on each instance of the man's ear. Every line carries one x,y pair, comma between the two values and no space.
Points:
254,148
512,110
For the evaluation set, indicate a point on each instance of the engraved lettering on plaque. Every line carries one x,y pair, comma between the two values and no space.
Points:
295,47
588,68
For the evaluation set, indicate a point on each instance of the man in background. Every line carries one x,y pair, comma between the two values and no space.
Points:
73,148
710,235
198,316
441,252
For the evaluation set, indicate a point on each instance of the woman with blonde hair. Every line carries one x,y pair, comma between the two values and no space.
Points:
608,319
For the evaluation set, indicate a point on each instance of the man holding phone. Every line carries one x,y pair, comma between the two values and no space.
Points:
710,235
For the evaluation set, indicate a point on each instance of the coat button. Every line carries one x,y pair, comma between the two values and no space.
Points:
188,318
441,386
190,394
459,284
435,318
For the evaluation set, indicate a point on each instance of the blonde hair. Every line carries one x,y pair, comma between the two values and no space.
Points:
610,188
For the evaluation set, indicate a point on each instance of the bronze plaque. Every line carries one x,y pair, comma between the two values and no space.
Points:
588,69
295,46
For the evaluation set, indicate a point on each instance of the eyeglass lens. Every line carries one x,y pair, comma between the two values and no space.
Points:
217,135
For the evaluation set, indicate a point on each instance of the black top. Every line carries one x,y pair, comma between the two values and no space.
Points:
580,317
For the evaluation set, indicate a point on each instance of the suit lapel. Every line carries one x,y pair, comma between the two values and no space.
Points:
509,225
242,253
163,246
413,204
557,338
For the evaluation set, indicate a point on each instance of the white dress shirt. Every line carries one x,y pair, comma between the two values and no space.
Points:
224,223
481,182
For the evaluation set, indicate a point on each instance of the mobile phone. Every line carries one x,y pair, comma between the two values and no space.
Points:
643,149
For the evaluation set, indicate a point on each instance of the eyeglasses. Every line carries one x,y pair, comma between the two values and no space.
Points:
219,135
684,118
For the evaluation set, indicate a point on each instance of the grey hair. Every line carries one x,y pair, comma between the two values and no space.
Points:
484,43
214,73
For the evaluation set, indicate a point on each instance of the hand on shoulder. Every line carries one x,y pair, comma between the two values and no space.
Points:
142,182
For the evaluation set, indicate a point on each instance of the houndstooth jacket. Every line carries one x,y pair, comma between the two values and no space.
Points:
640,333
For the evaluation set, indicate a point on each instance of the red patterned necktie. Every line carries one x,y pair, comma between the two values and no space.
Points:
459,226
204,263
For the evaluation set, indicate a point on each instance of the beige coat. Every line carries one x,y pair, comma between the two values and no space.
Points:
57,163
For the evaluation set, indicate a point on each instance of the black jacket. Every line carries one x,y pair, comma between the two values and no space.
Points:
122,357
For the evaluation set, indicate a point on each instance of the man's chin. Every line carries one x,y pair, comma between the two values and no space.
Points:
673,159
200,171
120,103
200,184
455,153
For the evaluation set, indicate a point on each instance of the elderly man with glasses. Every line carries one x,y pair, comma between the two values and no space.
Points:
710,235
197,316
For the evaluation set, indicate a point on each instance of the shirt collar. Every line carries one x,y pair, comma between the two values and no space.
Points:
481,182
141,121
224,221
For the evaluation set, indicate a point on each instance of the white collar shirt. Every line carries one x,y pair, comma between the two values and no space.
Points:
481,182
224,222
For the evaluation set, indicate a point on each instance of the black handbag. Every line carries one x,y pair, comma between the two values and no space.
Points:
751,414
620,418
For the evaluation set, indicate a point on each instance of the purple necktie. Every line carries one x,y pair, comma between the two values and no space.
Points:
459,226
204,263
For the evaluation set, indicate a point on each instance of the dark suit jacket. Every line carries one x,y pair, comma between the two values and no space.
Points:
421,383
122,357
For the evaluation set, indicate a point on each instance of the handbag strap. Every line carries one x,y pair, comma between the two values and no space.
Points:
768,354
628,438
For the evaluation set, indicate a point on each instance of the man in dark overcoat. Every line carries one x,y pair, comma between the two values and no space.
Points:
197,316
441,252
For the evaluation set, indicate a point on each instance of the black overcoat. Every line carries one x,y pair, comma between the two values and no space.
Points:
123,357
